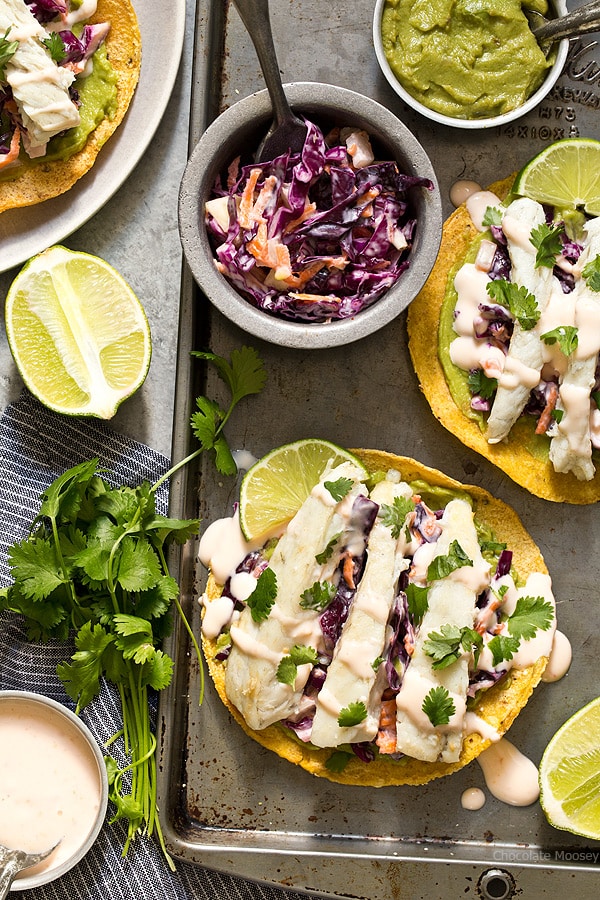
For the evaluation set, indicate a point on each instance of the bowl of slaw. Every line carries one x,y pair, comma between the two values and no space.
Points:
346,297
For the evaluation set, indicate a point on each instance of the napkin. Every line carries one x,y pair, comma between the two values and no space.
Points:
36,445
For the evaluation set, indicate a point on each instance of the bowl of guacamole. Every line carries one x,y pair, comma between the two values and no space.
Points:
466,63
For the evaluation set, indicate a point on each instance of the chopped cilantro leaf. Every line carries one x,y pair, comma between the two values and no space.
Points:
481,384
547,241
492,216
377,662
530,614
418,602
557,414
565,335
327,553
338,489
448,645
442,565
353,714
318,596
55,47
438,706
521,304
7,51
502,646
299,655
394,515
591,273
263,596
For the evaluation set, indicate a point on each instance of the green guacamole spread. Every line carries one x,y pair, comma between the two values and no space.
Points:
468,59
98,96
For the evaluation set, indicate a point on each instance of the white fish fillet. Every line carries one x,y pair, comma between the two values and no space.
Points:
350,675
40,87
257,648
451,602
525,346
571,447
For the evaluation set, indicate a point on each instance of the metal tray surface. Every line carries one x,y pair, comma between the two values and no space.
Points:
227,803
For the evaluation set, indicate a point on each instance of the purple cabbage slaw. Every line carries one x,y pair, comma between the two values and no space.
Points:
346,244
77,50
402,626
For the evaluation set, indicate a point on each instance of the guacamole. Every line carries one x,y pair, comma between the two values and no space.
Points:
467,59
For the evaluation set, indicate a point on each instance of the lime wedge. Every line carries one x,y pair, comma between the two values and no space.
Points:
565,174
276,486
570,774
78,334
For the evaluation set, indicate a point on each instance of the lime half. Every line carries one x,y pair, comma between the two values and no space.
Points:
565,174
570,774
276,486
78,334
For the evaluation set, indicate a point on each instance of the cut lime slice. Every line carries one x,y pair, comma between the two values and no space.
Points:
565,174
570,774
275,488
78,334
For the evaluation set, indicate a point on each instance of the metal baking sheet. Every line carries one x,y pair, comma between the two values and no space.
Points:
226,802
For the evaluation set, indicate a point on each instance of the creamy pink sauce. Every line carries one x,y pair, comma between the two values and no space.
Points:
560,658
472,798
50,785
509,775
462,189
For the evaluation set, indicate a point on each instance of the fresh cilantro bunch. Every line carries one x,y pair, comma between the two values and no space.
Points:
95,563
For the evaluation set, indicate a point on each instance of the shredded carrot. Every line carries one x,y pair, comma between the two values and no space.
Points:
233,173
386,734
348,571
308,210
247,200
265,194
545,419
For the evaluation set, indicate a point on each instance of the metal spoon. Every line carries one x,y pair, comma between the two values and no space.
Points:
287,131
13,861
579,21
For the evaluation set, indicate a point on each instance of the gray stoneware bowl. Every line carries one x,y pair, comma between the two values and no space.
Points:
240,129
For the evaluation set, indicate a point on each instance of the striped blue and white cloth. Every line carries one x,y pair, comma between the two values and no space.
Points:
36,445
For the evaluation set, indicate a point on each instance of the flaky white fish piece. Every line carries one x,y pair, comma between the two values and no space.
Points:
40,87
525,356
571,446
258,647
351,677
451,601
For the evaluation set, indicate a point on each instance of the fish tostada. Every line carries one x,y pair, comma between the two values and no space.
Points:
505,336
68,71
394,628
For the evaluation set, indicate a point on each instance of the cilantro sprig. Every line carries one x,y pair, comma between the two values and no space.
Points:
438,706
591,273
565,335
318,595
353,714
517,299
299,655
443,565
338,489
530,615
55,46
394,515
262,598
447,645
547,241
95,562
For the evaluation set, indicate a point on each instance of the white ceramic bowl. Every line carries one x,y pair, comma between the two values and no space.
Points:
493,121
240,128
59,720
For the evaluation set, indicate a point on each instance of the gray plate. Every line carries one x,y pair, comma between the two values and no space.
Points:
226,802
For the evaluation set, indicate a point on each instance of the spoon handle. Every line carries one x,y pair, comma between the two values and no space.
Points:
579,21
255,16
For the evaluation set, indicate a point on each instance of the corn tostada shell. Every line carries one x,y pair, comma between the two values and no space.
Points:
499,706
50,178
532,471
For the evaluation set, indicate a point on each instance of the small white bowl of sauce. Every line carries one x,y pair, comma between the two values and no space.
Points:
53,784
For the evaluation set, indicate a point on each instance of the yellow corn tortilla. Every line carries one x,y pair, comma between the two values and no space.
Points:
124,50
535,473
498,706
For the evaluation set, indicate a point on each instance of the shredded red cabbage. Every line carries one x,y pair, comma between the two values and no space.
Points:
315,238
